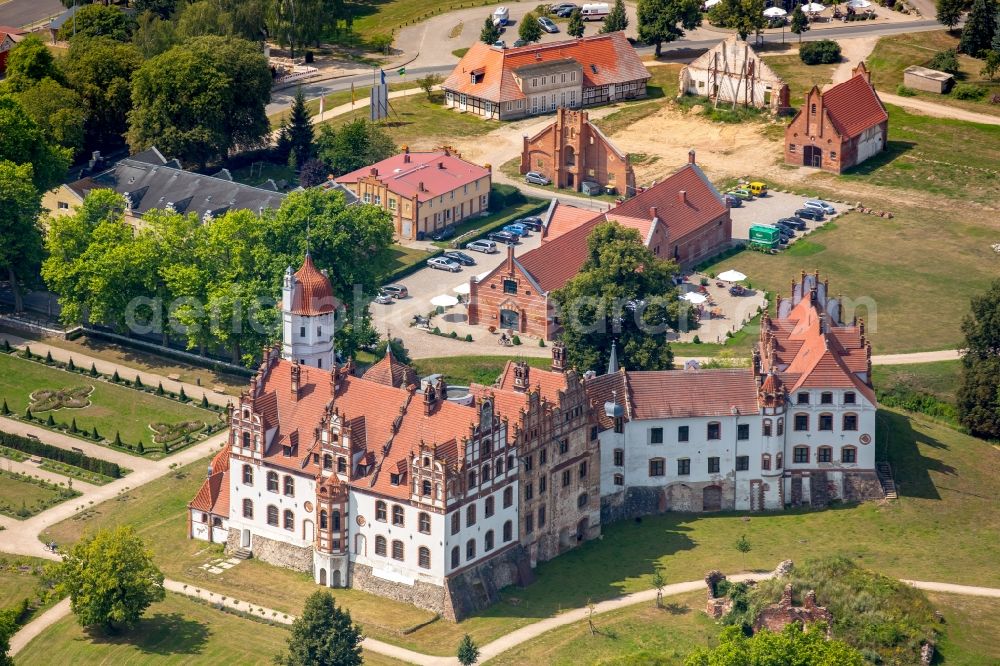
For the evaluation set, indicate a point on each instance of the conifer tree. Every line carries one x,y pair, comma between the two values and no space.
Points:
299,131
980,26
575,28
616,19
490,32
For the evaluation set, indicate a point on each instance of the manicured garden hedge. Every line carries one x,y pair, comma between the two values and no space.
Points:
80,460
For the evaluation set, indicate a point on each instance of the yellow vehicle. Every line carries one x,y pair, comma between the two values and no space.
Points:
758,189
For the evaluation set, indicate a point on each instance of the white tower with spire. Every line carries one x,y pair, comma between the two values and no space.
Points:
308,307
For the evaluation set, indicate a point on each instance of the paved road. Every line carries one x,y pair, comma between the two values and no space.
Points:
19,13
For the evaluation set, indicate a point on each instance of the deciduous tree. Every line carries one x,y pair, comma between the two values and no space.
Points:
111,579
623,292
323,635
744,16
949,12
529,30
201,18
58,111
575,27
353,145
791,646
616,19
98,20
29,62
800,22
666,20
979,393
163,8
490,32
153,35
980,26
313,173
21,240
23,141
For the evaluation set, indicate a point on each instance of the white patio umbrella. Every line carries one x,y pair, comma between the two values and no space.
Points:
813,8
859,4
444,301
774,12
694,297
462,288
711,3
732,276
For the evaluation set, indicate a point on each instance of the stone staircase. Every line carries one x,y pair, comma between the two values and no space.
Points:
242,554
884,471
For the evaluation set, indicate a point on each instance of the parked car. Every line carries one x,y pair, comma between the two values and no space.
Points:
555,9
785,228
819,204
596,11
484,246
741,193
460,258
504,237
383,298
794,223
500,44
533,223
395,290
732,201
547,24
444,233
444,264
517,229
520,42
501,15
758,189
535,178
566,12
813,214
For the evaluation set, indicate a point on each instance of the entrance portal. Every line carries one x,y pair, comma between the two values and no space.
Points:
812,156
711,498
510,319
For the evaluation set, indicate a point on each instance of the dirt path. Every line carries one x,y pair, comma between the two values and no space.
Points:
852,51
938,110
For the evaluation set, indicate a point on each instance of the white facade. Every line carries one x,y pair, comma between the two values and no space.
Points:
732,72
214,529
307,339
870,142
266,503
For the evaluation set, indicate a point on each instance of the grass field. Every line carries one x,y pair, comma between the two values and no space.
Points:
112,408
945,526
895,53
338,98
20,498
176,630
465,370
918,303
939,380
799,76
971,636
399,257
920,155
495,219
16,584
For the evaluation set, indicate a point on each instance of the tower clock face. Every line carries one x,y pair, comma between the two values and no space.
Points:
361,521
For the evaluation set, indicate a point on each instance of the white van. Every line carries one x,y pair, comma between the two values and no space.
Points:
501,15
596,11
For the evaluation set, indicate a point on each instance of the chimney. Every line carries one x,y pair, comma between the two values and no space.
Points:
558,357
430,399
373,171
510,258
406,150
440,165
682,197
691,156
296,373
420,186
521,376
441,389
652,213
406,157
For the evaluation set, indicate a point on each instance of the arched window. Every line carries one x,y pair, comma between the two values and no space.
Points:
766,428
765,461
486,473
246,440
470,549
289,486
849,454
424,523
336,520
781,428
324,520
248,475
801,422
289,520
456,557
498,466
456,522
272,515
216,521
427,461
380,545
489,509
327,461
619,479
489,540
272,481
824,454
341,464
380,511
425,488
826,421
470,515
397,550
246,414
397,515
850,421
248,508
778,460
508,531
800,454
472,478
508,497
424,557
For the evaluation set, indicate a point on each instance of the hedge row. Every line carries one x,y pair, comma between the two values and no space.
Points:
80,460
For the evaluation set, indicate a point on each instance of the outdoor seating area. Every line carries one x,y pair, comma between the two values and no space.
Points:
720,305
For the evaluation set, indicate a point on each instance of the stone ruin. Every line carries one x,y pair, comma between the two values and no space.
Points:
717,606
778,616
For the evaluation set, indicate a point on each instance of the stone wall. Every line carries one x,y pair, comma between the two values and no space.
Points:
421,594
280,554
861,487
777,616
636,501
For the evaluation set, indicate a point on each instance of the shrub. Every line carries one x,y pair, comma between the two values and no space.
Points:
71,366
182,395
696,340
945,61
50,421
48,357
821,52
204,400
453,335
903,91
5,410
83,461
468,337
115,378
968,91
6,346
27,351
159,389
516,340
541,342
93,370
138,382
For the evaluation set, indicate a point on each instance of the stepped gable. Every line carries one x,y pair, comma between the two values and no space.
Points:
313,293
391,372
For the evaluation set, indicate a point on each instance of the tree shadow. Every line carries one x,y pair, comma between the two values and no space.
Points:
893,151
160,634
910,467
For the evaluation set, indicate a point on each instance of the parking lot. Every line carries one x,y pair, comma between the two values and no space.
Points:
769,210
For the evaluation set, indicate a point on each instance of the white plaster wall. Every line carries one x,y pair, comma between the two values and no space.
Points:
305,491
315,348
836,438
479,529
869,143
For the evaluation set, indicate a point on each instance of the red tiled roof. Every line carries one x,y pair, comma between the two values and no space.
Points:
213,496
549,383
565,218
313,293
391,372
440,172
554,263
604,389
854,106
685,393
604,59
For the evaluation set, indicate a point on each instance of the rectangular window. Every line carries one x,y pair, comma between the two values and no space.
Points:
802,398
742,463
456,523
583,469
529,524
392,204
849,398
563,446
682,434
743,431
826,421
543,457
801,422
826,398
510,286
529,463
529,491
619,457
800,454
657,467
566,478
542,484
765,462
848,454
714,430
683,467
824,454
656,435
850,421
713,465
302,331
541,516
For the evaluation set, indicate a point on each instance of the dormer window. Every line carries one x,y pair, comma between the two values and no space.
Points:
286,451
477,76
593,68
394,479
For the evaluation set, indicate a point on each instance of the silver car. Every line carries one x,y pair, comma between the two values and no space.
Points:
820,205
535,178
443,264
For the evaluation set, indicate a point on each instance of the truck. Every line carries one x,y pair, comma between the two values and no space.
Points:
501,15
596,11
764,237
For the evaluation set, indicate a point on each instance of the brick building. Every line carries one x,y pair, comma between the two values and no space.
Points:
506,84
424,192
682,218
572,150
9,37
840,128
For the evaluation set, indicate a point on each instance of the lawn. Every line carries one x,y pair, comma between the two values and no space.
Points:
916,294
399,257
531,206
22,497
971,637
895,53
920,155
465,370
939,379
336,99
112,408
512,169
799,76
176,630
944,527
21,578
422,123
